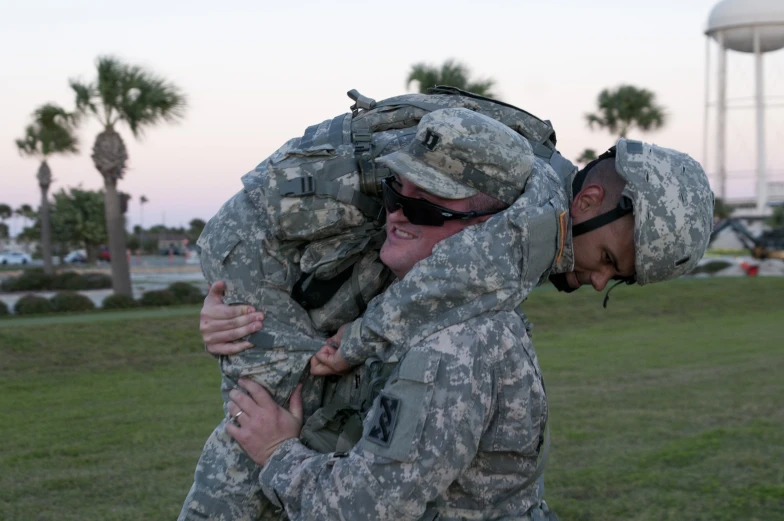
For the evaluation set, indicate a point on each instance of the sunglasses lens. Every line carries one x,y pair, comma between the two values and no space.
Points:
417,211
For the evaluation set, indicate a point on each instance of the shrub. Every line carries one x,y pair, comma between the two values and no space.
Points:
3,308
71,301
119,302
186,293
69,280
31,305
158,298
97,281
31,279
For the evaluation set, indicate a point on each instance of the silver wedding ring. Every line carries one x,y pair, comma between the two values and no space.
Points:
234,418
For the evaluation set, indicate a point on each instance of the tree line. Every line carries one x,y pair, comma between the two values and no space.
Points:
77,220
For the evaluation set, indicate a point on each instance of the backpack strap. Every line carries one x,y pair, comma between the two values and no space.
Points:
308,185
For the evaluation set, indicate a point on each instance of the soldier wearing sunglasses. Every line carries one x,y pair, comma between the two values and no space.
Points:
458,432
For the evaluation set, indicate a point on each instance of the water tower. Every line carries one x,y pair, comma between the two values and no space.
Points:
747,26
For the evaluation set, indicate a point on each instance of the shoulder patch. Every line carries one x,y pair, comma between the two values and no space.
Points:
562,230
385,420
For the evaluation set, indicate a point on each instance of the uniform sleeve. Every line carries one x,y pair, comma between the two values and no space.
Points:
421,434
360,343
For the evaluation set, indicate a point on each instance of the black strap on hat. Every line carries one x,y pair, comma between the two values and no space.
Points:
624,207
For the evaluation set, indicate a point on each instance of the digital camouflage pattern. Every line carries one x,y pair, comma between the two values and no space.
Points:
673,209
237,248
458,153
468,391
302,212
472,411
490,266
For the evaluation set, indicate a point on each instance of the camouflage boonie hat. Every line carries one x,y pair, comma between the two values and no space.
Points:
673,209
458,153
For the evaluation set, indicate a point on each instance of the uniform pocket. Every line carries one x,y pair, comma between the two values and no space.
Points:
395,424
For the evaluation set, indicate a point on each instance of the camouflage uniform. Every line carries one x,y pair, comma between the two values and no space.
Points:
458,428
237,248
225,483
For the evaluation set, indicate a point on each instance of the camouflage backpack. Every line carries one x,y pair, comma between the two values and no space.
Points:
322,192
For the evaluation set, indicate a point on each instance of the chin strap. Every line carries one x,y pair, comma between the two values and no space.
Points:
628,282
624,207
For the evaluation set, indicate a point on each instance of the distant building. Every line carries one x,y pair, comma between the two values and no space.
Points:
13,244
174,243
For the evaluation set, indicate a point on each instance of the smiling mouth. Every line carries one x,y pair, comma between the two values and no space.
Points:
400,234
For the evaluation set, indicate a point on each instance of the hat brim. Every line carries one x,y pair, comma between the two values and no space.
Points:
426,177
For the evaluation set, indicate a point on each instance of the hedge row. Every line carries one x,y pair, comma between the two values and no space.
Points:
178,293
34,279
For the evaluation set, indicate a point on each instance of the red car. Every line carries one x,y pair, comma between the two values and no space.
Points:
103,254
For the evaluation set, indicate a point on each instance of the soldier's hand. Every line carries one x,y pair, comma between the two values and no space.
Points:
261,424
327,361
222,326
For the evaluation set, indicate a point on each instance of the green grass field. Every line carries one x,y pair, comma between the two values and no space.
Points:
669,405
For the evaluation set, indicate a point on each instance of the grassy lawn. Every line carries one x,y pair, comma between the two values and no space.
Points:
665,406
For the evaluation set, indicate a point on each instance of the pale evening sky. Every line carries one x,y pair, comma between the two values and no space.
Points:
257,73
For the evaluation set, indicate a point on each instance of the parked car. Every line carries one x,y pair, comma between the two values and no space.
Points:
103,254
15,257
75,257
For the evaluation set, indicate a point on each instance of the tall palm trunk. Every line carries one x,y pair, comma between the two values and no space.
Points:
110,156
44,181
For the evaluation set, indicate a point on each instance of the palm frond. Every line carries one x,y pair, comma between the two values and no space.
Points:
483,88
51,132
30,144
425,75
84,97
149,100
625,107
110,85
451,73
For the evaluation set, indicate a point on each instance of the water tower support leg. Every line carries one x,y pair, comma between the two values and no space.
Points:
721,119
762,183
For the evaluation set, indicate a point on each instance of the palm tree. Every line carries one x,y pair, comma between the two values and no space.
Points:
587,156
626,107
135,96
5,213
51,132
142,201
451,73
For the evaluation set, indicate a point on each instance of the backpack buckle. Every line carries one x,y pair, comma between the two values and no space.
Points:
298,187
361,140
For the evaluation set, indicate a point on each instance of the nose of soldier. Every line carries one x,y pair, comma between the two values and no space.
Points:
600,278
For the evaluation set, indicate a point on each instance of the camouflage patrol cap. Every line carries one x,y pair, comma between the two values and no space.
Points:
673,209
458,153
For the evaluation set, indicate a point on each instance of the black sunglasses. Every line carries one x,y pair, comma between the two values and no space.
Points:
420,211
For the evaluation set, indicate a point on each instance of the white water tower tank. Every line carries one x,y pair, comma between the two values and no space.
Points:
747,26
737,19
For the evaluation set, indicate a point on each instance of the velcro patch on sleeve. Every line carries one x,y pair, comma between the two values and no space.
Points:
384,421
